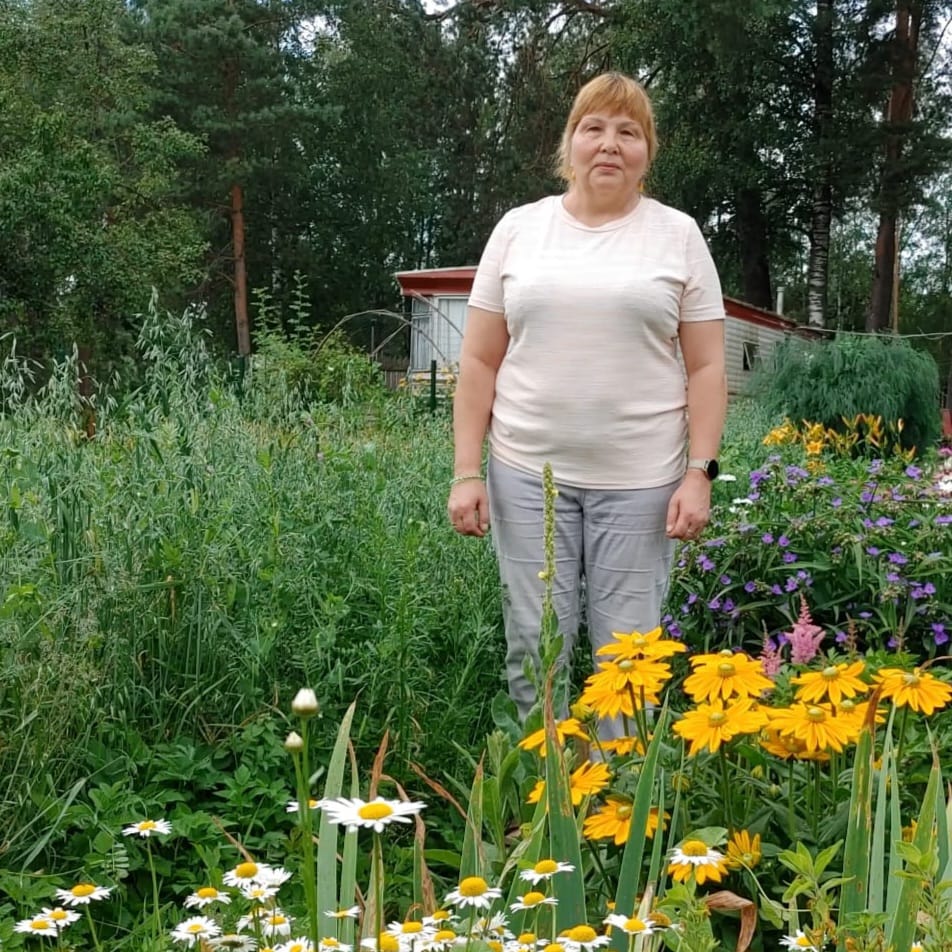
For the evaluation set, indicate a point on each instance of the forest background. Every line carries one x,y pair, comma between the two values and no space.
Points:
224,151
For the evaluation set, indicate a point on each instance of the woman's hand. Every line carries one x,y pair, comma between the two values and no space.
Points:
468,508
690,507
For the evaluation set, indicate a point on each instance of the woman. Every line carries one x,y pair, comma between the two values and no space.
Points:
578,308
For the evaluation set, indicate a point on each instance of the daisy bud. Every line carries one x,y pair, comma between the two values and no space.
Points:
305,703
294,743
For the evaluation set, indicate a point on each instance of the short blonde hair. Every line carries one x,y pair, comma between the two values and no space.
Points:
612,93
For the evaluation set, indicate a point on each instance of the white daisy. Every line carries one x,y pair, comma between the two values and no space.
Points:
195,930
443,940
38,925
582,937
258,893
205,896
295,945
82,894
440,918
355,813
533,900
232,940
545,869
243,874
293,805
271,921
495,927
525,942
410,930
61,917
146,828
274,876
332,945
726,478
801,942
632,926
475,892
351,913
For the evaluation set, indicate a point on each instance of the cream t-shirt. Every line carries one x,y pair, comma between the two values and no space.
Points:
591,381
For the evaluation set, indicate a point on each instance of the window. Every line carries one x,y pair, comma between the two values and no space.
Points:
751,354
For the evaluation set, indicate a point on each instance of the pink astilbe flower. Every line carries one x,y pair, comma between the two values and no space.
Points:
771,659
805,637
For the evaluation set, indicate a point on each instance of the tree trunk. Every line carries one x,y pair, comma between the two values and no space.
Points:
243,334
752,237
905,45
818,267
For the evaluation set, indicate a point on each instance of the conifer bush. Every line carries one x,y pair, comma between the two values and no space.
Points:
831,382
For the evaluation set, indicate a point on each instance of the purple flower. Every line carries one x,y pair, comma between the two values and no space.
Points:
893,577
705,563
865,614
674,631
841,636
875,466
757,476
836,503
790,557
893,642
753,495
714,604
912,523
792,584
728,605
715,543
776,590
692,598
913,472
896,495
884,521
897,558
725,580
825,481
872,550
795,474
942,520
866,496
783,542
766,538
750,587
939,634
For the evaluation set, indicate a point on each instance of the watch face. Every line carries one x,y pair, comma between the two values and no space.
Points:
712,469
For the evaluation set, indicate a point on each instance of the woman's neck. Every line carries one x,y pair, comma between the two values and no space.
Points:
595,210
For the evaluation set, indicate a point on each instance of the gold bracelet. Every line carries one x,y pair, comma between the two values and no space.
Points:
465,478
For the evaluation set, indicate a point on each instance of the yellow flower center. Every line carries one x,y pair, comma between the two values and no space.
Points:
473,886
409,927
911,679
527,938
494,945
83,890
816,714
207,892
444,935
440,915
546,867
277,919
694,848
246,870
626,665
716,718
532,898
803,942
831,672
312,803
623,811
330,943
57,915
726,669
375,811
848,704
634,925
388,943
40,925
146,825
639,641
195,927
554,947
581,934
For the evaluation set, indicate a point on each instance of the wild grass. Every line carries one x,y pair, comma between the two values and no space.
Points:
204,555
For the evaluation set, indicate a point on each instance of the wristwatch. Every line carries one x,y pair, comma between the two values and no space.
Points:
707,466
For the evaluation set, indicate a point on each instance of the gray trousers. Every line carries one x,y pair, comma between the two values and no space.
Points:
614,539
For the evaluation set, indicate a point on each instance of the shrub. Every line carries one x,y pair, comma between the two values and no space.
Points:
831,381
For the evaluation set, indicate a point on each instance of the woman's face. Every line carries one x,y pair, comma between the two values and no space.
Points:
609,154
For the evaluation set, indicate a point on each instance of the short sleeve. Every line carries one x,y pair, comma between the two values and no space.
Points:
702,298
487,291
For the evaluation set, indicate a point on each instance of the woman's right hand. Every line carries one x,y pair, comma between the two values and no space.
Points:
468,508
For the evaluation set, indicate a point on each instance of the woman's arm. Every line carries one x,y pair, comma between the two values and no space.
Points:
484,345
702,347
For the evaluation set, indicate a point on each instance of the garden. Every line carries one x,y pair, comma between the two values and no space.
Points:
251,691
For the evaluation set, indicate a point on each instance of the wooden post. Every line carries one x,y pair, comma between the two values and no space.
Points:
432,386
243,335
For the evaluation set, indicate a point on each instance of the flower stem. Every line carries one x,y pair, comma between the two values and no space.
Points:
156,921
308,870
92,928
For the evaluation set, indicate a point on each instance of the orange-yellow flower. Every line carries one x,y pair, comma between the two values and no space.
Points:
725,674
816,725
833,683
613,821
636,645
622,687
563,729
743,850
586,781
714,724
917,689
622,746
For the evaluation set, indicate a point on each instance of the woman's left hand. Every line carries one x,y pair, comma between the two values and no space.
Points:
690,507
